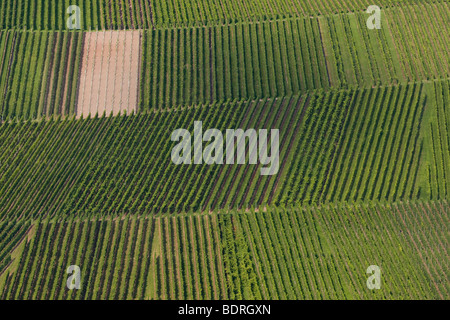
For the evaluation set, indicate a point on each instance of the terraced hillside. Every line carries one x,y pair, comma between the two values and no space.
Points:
46,84
368,146
146,14
86,171
214,64
108,82
283,57
297,253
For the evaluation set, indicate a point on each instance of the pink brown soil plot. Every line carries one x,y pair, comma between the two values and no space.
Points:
106,63
110,73
86,73
97,74
125,79
118,77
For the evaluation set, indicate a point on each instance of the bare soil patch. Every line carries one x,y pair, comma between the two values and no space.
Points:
110,73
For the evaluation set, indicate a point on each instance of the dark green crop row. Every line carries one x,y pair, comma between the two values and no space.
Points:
39,73
335,146
146,14
296,253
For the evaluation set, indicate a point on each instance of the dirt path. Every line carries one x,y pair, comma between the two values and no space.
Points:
124,94
94,48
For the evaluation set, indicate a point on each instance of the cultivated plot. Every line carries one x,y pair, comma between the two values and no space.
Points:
109,74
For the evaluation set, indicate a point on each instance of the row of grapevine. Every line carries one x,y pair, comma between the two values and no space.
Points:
368,146
437,137
323,252
130,258
334,146
37,75
145,14
279,58
105,141
11,236
61,244
178,13
363,57
188,259
200,65
418,41
318,252
47,14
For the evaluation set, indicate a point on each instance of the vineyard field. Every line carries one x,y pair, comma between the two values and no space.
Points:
144,14
108,82
297,253
165,68
224,150
44,86
114,157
